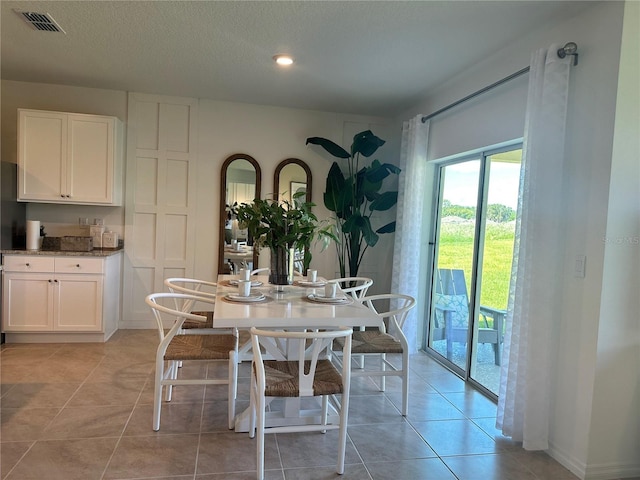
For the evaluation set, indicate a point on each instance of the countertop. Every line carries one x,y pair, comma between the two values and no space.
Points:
96,252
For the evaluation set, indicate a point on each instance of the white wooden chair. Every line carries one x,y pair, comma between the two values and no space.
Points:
200,288
309,375
388,339
355,286
174,349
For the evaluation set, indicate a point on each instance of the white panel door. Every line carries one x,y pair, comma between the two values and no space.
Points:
160,205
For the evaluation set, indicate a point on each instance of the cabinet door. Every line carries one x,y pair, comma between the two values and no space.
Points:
27,302
42,153
78,303
90,159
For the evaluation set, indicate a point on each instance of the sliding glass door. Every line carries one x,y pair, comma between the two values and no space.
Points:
473,249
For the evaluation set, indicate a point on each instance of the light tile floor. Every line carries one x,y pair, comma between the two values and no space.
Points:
83,411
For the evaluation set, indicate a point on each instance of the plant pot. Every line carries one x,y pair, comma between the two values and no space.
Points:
281,266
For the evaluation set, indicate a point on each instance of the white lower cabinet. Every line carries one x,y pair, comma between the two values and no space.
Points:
63,294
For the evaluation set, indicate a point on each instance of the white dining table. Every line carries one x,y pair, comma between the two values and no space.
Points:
284,307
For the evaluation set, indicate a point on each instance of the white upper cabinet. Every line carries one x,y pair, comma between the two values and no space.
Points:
69,158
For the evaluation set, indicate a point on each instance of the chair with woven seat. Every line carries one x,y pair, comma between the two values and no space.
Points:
174,349
308,375
392,310
357,287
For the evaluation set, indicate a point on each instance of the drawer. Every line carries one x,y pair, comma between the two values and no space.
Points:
28,263
79,265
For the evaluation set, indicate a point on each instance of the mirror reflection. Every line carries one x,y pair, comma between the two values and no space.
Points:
240,183
293,176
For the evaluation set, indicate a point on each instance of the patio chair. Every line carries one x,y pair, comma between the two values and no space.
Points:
451,304
174,349
307,375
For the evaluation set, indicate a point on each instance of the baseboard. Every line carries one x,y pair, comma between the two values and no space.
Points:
608,471
604,471
575,466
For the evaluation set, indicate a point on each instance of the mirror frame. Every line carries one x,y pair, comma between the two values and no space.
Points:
284,163
223,200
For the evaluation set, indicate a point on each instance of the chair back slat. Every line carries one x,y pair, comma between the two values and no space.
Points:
190,286
355,286
396,314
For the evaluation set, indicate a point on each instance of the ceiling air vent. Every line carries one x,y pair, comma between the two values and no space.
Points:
41,21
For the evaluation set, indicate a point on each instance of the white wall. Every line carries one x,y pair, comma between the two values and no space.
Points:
270,135
614,440
585,435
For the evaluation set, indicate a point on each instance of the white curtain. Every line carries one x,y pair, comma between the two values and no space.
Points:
406,250
534,315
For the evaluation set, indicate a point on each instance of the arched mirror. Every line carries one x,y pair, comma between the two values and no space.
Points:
239,183
292,176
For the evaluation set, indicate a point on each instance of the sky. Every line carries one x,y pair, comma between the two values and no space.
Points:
461,183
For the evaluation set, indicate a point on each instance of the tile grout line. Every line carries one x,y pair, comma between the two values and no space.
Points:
124,428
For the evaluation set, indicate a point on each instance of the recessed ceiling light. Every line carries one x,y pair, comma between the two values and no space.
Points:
283,60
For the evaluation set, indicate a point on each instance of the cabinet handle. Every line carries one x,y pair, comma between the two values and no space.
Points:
62,196
50,280
28,265
78,265
55,281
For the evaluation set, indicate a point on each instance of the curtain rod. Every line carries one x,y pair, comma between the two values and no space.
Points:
569,49
475,94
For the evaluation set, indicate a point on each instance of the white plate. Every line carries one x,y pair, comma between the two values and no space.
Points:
335,300
234,297
307,283
254,283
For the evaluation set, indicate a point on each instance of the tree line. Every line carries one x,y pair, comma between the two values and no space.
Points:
495,212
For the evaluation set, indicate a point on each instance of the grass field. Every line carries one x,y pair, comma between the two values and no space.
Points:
456,251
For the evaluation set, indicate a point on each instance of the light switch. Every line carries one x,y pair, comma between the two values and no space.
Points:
580,265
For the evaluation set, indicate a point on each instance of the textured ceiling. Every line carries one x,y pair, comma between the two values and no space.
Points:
370,57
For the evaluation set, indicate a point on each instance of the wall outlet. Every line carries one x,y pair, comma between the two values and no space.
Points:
580,266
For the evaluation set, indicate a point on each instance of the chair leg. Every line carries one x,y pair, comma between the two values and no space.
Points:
260,440
496,352
252,409
172,374
405,383
325,411
342,432
383,378
233,388
157,394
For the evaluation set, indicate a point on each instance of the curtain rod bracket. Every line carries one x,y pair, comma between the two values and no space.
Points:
571,48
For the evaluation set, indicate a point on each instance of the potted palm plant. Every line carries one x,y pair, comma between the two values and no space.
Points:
353,195
283,227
